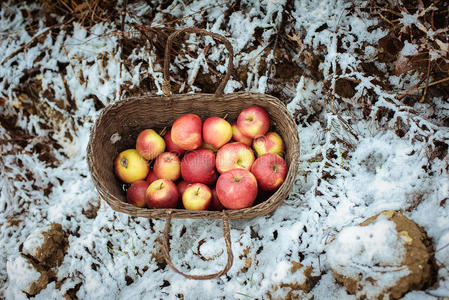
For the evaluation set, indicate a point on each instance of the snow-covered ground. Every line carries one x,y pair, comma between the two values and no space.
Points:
359,156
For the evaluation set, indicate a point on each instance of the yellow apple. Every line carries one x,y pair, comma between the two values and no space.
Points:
130,166
269,143
197,196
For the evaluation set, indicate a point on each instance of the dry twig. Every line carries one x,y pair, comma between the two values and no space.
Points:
422,87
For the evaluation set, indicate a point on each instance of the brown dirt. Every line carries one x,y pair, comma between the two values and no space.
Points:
42,281
47,257
308,283
71,293
345,88
294,288
418,259
55,245
91,212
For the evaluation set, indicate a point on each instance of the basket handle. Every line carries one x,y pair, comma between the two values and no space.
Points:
166,83
227,236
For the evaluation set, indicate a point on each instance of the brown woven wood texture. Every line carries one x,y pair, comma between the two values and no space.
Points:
128,117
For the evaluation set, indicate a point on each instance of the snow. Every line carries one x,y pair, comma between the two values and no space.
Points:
351,167
35,240
21,275
408,19
409,49
376,250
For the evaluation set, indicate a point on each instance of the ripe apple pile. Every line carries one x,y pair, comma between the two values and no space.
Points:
207,165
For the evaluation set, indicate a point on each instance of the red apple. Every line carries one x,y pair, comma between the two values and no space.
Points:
149,144
238,136
167,166
182,185
129,166
215,204
237,189
162,193
135,194
199,167
171,146
151,177
197,197
270,171
216,132
271,142
234,155
186,132
253,121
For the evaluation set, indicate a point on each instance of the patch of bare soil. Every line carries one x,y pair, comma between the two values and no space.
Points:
47,257
419,259
300,281
51,253
42,281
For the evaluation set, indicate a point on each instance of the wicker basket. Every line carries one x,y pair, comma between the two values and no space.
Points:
126,118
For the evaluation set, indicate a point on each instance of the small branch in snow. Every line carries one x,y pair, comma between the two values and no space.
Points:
385,19
423,98
422,87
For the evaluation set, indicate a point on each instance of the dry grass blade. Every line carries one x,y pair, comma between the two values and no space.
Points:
422,87
86,12
423,98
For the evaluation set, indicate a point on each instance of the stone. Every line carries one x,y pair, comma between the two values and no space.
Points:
47,244
403,261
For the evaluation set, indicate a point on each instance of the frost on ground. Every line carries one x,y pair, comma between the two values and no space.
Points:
363,150
24,277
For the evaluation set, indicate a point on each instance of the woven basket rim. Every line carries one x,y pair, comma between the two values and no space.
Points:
262,208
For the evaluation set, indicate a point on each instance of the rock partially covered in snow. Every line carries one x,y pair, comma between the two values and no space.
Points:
47,245
42,251
25,275
292,279
386,255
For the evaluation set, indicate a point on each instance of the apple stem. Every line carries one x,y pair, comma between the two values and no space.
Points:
197,191
162,184
163,131
226,115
